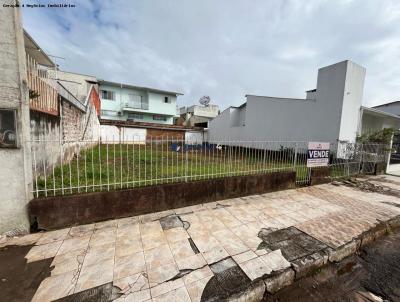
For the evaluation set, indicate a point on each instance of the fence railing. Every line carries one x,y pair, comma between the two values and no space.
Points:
45,98
87,166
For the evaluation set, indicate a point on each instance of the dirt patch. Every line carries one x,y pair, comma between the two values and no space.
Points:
171,221
228,279
103,293
371,275
367,186
293,243
19,280
384,179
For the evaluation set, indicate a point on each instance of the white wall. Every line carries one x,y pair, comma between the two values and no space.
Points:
193,137
206,111
277,119
75,83
113,134
289,119
220,128
372,123
353,94
133,134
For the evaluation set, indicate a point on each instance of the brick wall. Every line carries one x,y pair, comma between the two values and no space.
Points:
78,125
47,131
94,97
161,133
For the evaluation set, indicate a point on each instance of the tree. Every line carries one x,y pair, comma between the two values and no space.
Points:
383,136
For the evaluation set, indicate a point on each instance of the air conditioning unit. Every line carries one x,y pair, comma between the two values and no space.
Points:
119,113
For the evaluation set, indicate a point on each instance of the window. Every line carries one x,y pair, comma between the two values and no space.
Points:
8,135
109,113
108,95
159,118
167,100
138,102
135,116
135,101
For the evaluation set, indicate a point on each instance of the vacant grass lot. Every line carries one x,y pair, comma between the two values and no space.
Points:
116,166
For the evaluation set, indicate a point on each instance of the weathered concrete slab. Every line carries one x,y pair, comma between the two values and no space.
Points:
209,252
370,275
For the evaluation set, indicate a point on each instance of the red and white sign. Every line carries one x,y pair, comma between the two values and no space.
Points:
318,154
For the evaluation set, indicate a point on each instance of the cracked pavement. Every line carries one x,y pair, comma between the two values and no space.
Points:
240,247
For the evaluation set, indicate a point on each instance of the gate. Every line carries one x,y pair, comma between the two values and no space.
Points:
394,159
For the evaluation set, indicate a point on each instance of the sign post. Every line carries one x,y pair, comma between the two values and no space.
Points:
318,154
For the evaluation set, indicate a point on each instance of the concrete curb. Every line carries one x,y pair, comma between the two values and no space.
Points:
309,265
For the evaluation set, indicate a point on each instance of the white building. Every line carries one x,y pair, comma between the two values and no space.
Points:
197,115
331,112
372,119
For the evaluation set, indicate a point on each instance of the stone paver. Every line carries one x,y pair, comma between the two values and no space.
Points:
157,257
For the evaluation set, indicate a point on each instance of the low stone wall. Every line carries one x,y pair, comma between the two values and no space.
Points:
58,212
78,125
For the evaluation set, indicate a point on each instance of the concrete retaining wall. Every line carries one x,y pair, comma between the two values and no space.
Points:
320,175
58,212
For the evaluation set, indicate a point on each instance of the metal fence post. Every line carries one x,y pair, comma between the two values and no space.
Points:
186,161
348,163
295,157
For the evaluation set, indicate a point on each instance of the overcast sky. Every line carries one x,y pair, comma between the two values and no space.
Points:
224,49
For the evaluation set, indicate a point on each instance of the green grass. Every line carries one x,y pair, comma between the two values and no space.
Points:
111,167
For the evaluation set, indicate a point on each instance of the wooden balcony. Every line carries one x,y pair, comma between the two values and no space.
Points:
42,96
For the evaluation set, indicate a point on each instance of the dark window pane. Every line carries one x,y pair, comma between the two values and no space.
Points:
8,135
159,118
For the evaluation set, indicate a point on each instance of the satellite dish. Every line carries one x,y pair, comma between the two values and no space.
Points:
205,100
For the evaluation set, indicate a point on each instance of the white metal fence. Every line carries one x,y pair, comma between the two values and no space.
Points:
87,166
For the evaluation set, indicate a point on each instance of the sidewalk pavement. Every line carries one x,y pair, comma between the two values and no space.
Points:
236,249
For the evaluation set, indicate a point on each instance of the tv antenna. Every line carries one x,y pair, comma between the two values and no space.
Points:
205,100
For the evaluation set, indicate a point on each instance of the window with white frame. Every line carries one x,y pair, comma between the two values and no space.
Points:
167,100
157,117
138,102
108,95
